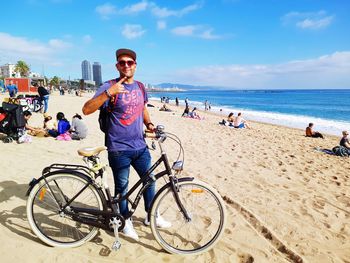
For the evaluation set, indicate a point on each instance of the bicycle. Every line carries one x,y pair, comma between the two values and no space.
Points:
69,203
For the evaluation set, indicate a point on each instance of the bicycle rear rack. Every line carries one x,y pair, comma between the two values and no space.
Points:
71,167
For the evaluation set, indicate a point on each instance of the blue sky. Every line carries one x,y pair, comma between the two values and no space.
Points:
226,43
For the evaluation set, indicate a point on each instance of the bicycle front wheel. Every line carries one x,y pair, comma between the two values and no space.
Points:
52,224
206,210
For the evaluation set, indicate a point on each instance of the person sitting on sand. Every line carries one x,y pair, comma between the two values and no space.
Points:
30,129
164,108
63,125
49,123
230,120
194,114
344,140
240,122
79,129
310,133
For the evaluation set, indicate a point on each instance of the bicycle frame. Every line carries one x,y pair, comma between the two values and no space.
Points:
110,208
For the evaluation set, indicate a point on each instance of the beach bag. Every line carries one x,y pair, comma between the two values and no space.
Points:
25,138
103,117
341,151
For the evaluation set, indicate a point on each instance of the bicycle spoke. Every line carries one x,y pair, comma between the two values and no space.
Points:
55,226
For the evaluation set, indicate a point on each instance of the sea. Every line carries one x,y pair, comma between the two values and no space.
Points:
328,109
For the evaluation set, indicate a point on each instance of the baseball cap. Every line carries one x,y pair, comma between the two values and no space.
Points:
125,51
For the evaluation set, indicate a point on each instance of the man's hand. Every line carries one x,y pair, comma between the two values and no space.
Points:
118,87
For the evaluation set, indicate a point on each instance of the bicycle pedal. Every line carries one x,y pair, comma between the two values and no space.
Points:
116,245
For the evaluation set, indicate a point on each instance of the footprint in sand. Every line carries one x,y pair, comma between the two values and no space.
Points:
245,258
319,204
344,200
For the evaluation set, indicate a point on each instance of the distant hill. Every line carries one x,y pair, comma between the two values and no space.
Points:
185,86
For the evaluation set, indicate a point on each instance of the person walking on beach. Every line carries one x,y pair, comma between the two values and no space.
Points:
177,101
124,136
44,96
206,105
12,89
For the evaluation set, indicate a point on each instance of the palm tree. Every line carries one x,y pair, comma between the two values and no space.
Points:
22,68
55,81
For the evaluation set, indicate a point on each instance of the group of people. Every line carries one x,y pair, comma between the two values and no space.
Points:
235,121
344,141
61,129
191,114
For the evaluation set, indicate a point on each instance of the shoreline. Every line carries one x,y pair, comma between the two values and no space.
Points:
223,115
325,126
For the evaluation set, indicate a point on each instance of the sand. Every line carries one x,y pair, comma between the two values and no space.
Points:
286,202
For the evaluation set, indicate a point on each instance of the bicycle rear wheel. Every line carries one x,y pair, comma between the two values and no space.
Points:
207,218
53,225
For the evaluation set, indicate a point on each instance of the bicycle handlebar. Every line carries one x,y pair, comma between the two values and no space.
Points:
157,133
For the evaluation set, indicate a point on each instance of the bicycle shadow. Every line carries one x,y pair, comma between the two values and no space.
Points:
12,219
16,219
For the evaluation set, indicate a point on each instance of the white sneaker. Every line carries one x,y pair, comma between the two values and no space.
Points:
160,221
129,230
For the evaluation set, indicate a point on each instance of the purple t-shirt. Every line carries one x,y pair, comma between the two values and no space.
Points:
125,126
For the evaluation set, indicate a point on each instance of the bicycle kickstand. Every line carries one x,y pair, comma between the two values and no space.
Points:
116,224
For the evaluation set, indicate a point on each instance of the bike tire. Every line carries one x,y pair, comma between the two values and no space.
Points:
56,228
206,209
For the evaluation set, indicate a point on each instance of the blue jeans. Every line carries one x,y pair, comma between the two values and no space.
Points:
45,99
120,162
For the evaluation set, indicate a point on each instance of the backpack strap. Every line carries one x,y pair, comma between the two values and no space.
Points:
142,88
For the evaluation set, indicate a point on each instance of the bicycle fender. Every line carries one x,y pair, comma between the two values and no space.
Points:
183,179
35,181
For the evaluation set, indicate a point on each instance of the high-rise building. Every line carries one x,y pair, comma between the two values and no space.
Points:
86,70
97,75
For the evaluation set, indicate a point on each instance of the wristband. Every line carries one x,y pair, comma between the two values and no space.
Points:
109,95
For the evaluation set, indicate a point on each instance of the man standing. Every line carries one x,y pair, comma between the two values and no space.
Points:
12,88
124,135
44,96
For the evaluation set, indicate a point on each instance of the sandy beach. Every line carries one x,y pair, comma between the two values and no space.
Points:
286,202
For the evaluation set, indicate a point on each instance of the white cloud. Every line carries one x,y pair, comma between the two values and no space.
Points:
315,23
195,31
161,25
308,20
163,12
132,31
59,44
136,8
20,47
329,71
184,30
106,10
87,39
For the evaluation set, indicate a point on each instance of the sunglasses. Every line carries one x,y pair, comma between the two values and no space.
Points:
123,63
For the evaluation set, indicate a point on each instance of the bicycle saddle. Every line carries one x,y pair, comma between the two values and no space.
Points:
91,151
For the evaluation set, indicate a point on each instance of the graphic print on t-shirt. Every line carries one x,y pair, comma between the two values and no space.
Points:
132,104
